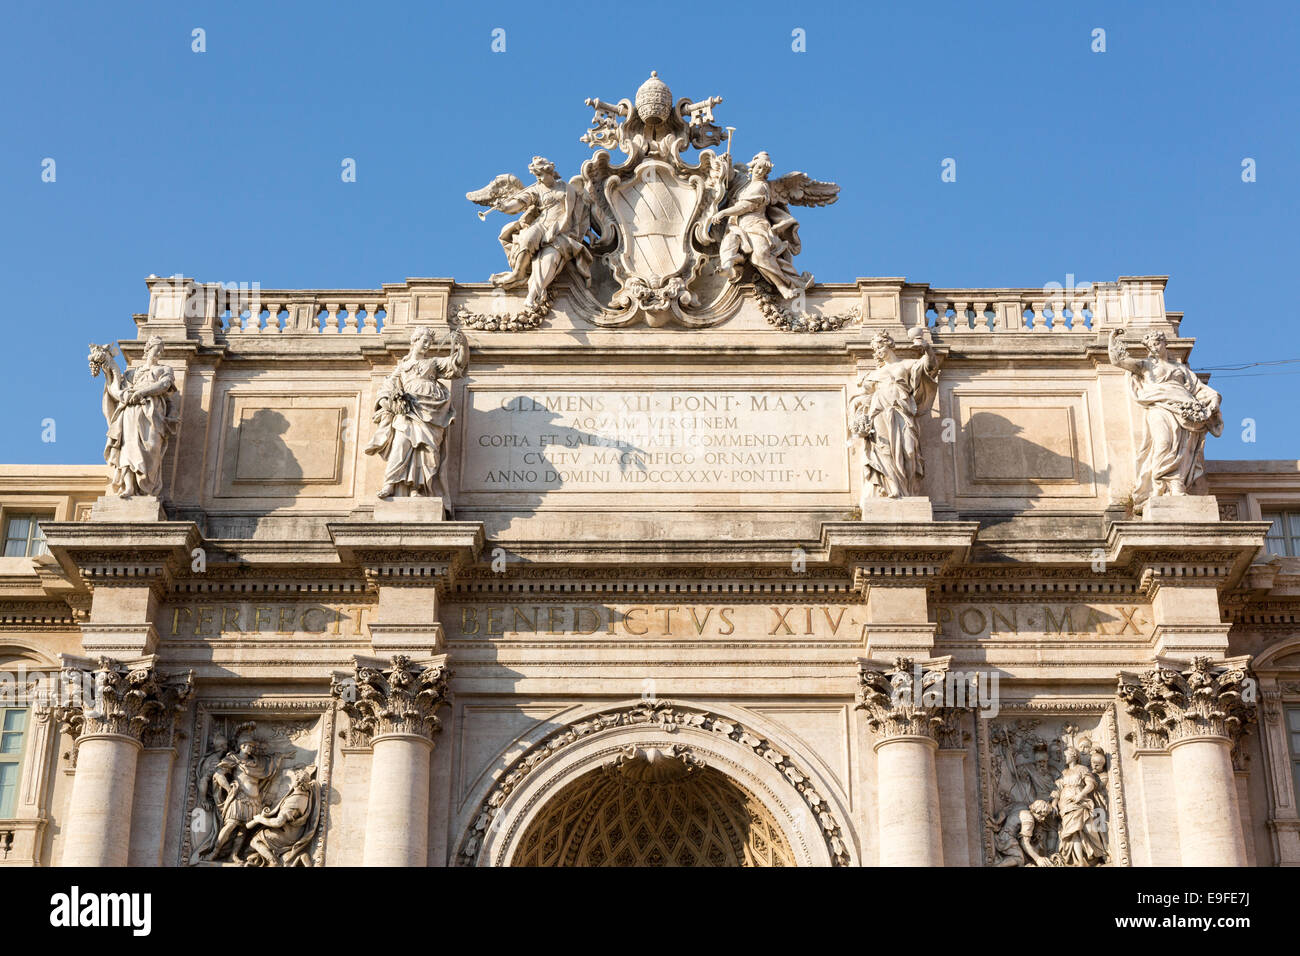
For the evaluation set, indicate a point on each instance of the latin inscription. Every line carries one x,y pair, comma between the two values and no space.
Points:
747,621
987,620
662,439
182,621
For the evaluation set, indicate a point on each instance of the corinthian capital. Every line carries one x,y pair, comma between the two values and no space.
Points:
130,698
908,699
1202,701
400,698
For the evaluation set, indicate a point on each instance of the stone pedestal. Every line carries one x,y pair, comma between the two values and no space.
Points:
397,818
99,809
412,510
139,508
896,510
907,801
1181,508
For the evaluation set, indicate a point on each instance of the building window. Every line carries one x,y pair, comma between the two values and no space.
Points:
13,725
1283,536
1293,743
23,535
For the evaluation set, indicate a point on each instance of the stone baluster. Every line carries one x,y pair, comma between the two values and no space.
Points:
393,707
351,320
960,321
1040,321
115,708
1198,715
908,717
331,318
372,318
272,318
1078,321
1057,305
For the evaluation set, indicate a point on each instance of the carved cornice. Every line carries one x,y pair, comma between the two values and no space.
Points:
1203,701
908,700
392,554
128,698
122,553
1184,554
401,698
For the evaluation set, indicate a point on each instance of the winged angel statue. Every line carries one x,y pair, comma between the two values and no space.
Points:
642,234
761,229
549,233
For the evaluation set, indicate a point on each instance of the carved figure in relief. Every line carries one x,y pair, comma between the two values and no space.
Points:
1180,410
282,837
1048,809
238,785
1077,799
760,228
142,411
204,819
413,412
555,218
886,412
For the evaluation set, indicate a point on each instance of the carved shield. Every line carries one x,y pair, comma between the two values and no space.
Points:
655,211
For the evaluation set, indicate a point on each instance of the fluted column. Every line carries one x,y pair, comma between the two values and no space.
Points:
906,709
113,706
1199,715
394,707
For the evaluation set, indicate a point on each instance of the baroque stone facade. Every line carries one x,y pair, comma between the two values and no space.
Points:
652,550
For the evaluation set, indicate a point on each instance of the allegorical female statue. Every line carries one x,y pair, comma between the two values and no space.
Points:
555,218
885,412
413,413
142,410
1180,410
1078,796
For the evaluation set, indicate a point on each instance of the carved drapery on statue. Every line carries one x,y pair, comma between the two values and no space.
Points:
413,412
142,409
885,414
655,238
1179,410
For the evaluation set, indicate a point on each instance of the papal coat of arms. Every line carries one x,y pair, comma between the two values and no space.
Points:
654,238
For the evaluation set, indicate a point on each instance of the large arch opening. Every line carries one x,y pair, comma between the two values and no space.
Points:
651,808
762,800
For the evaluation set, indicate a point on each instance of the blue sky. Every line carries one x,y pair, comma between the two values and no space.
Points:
225,165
